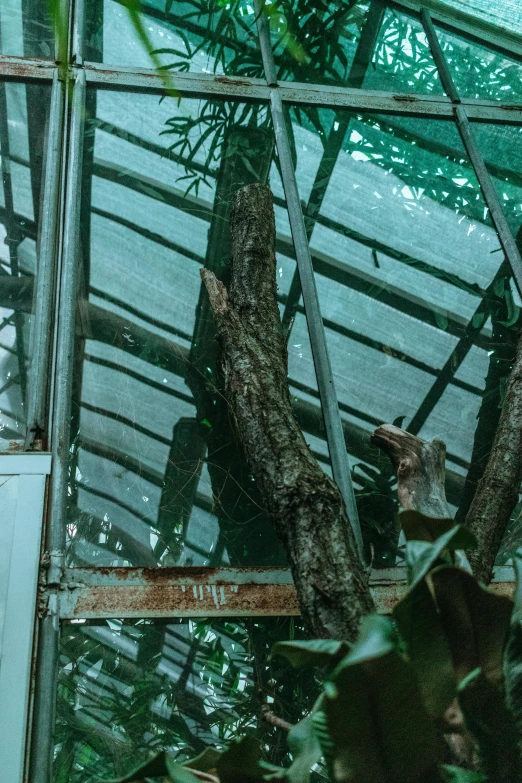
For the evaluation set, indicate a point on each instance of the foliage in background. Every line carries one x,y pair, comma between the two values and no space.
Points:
131,688
450,645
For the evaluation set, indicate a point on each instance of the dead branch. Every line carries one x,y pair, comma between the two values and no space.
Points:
498,490
304,504
419,466
274,720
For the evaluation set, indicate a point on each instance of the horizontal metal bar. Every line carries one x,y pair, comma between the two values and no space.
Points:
91,593
26,68
232,87
237,88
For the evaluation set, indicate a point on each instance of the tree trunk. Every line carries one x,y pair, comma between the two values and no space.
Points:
498,490
304,504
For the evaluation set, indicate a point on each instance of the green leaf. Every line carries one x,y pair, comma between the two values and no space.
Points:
513,651
179,773
377,729
475,621
377,637
441,320
453,774
427,648
205,760
240,763
422,556
304,745
419,527
493,726
317,652
153,768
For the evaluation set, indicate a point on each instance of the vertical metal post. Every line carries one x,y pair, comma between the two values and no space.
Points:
506,238
14,236
323,369
45,277
78,32
45,694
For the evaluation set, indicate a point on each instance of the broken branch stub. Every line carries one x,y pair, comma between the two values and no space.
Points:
420,469
306,507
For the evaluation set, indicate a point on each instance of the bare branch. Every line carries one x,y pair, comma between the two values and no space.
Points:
419,466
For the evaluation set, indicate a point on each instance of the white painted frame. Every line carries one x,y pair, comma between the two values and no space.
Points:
22,497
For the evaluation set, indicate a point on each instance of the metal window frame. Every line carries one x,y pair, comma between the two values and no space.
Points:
163,592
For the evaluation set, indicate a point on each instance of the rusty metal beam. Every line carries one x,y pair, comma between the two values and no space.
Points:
26,68
238,88
90,593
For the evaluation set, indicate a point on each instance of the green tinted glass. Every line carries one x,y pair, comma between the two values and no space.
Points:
208,36
157,473
355,44
479,72
408,268
130,689
26,29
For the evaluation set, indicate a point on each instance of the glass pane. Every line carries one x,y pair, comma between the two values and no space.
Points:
351,44
408,266
204,36
501,148
26,29
132,688
157,476
479,72
23,118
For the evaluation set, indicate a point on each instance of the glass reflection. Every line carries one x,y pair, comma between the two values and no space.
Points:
132,688
23,117
157,474
359,44
480,72
26,29
203,37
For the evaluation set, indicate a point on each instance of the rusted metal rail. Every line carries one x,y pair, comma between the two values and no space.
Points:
90,593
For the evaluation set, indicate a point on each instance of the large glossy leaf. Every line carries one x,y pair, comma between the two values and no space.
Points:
160,766
304,745
474,619
427,648
377,728
451,774
205,760
493,727
419,527
240,762
422,556
513,651
317,652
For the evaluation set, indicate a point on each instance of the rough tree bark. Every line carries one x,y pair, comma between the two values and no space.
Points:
420,469
498,490
304,504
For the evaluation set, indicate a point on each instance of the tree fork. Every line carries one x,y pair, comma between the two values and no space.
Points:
306,507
